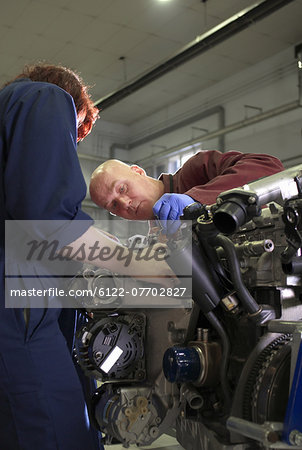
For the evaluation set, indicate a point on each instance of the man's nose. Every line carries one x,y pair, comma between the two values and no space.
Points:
125,201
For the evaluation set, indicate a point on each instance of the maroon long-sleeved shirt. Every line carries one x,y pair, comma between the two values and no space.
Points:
208,173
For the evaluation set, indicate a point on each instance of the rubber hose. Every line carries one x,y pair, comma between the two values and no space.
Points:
244,295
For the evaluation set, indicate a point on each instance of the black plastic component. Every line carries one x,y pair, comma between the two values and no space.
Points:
112,348
294,267
193,211
234,210
207,290
292,216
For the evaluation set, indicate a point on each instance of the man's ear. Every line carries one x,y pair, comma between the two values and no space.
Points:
138,170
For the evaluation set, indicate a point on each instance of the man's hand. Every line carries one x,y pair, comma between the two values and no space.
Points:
169,208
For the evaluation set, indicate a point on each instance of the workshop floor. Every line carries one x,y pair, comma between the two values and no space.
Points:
164,442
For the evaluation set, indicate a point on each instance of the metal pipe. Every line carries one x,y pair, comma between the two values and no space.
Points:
248,301
207,136
199,45
284,326
267,433
226,348
229,129
192,396
182,123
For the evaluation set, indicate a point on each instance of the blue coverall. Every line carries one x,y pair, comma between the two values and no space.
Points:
42,405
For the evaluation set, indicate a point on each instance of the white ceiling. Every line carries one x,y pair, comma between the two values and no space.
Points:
91,36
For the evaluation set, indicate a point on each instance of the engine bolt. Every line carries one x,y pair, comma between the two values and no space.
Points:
138,320
291,215
140,374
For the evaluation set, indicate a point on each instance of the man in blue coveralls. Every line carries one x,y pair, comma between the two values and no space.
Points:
43,113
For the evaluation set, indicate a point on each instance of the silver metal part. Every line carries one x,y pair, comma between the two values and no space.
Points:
275,188
295,438
232,372
268,434
295,328
192,396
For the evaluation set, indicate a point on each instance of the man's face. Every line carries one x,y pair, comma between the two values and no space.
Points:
126,192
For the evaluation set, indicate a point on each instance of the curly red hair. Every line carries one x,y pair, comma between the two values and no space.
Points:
72,83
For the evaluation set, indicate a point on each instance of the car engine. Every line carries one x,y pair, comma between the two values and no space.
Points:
224,371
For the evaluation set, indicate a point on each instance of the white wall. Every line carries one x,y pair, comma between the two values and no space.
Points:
267,85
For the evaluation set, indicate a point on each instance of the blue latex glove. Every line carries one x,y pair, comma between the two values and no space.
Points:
169,208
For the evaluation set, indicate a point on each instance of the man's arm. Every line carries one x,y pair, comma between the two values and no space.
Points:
204,176
151,265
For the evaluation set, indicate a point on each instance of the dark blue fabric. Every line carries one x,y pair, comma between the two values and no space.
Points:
42,405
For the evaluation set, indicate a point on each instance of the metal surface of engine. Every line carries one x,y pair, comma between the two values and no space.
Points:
219,372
